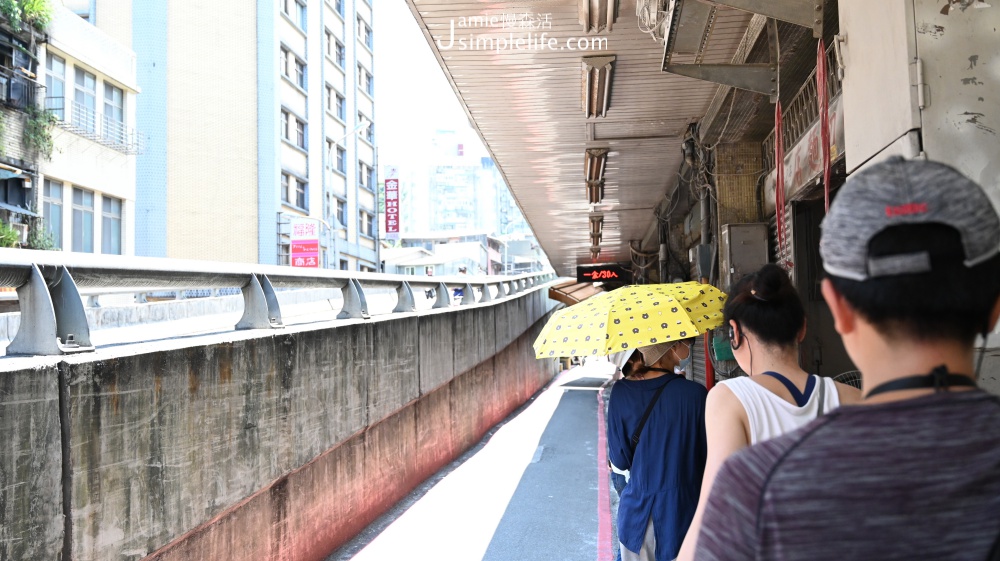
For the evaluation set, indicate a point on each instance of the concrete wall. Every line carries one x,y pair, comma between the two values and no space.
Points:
31,522
273,446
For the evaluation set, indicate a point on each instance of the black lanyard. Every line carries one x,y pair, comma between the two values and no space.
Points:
939,379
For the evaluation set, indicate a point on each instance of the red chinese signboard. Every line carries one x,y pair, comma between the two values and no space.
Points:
392,221
305,243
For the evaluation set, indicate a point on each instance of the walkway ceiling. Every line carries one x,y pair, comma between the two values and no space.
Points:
528,107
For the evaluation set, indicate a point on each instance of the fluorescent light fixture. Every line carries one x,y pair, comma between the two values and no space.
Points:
594,162
595,192
597,85
597,15
596,223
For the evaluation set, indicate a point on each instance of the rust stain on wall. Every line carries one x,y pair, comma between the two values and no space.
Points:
226,363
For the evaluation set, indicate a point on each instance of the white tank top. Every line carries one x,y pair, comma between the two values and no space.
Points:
772,416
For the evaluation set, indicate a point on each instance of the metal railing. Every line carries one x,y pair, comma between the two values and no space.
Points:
803,110
104,129
53,321
17,89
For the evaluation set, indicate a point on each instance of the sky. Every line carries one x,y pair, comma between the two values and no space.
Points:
413,97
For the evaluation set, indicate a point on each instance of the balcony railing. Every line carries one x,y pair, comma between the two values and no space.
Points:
16,89
803,110
103,129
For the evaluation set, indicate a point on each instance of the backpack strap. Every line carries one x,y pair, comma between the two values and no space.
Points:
645,416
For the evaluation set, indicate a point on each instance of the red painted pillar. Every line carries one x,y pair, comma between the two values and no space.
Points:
709,368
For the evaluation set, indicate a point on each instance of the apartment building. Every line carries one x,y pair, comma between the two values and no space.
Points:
88,183
67,147
260,116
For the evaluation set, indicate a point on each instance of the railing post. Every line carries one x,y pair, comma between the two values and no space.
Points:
260,305
52,319
404,299
487,297
443,296
468,295
355,304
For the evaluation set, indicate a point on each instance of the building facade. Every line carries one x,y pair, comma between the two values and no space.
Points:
256,127
87,186
68,148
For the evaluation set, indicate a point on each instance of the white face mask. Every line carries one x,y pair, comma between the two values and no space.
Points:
684,365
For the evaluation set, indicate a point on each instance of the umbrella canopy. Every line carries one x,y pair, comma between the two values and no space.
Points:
631,317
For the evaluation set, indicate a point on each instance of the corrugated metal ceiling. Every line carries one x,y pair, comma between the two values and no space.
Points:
526,105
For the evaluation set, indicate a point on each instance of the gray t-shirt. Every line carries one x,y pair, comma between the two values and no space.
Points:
913,479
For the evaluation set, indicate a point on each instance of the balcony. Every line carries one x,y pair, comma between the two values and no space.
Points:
102,129
17,90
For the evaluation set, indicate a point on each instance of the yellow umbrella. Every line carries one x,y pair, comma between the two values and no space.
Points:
631,317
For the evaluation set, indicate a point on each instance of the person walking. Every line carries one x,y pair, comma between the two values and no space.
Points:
656,431
766,323
910,249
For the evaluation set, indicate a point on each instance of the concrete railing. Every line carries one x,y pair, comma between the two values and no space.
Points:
267,444
50,286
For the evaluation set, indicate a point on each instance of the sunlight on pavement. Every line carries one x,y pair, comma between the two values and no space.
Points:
456,519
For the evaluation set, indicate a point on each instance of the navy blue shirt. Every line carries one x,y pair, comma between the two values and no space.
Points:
669,461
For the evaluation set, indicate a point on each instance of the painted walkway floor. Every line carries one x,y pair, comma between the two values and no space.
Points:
536,487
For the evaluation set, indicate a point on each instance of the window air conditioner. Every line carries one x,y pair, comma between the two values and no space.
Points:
22,230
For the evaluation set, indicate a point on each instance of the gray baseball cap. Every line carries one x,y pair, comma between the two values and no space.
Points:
897,192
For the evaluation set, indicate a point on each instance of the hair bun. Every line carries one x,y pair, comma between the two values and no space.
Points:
769,283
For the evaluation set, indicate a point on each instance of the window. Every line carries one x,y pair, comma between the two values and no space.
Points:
341,108
329,98
287,62
284,124
114,113
283,62
83,220
293,190
365,32
366,224
339,6
55,86
341,160
339,53
296,11
329,42
366,81
111,226
365,176
371,176
52,210
344,265
369,130
341,211
300,73
300,193
85,101
301,9
300,134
